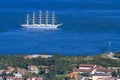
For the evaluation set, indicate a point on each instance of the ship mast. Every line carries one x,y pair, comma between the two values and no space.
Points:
40,17
46,17
27,21
53,18
33,18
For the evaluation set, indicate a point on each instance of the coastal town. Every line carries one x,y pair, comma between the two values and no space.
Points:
81,71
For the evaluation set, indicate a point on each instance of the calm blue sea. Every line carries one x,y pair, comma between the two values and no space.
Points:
88,26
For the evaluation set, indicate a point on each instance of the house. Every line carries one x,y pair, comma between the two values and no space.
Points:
28,79
86,68
33,69
28,57
92,69
17,75
81,71
73,76
101,76
111,78
33,78
9,70
22,71
47,71
45,56
10,78
104,70
36,56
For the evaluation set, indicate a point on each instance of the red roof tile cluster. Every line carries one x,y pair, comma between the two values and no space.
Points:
87,65
33,67
83,70
104,70
9,77
9,69
28,57
22,71
111,78
92,67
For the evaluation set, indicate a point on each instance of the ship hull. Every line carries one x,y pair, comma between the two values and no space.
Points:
40,26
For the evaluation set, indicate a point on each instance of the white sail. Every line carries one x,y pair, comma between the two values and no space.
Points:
33,18
27,21
40,17
46,17
53,18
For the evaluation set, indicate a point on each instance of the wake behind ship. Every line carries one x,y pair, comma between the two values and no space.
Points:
40,22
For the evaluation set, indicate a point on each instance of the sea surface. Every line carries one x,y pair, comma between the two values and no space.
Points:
88,26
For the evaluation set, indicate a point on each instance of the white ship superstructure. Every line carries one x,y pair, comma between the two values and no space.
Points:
40,22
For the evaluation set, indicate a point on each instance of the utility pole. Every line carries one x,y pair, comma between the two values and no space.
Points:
110,48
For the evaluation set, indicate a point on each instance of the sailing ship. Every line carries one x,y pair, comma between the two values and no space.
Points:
40,23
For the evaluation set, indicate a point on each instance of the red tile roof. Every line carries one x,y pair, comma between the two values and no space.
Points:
87,65
33,67
105,70
83,70
9,77
9,71
111,78
22,71
9,68
28,57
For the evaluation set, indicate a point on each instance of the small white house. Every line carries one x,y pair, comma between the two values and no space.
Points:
17,75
